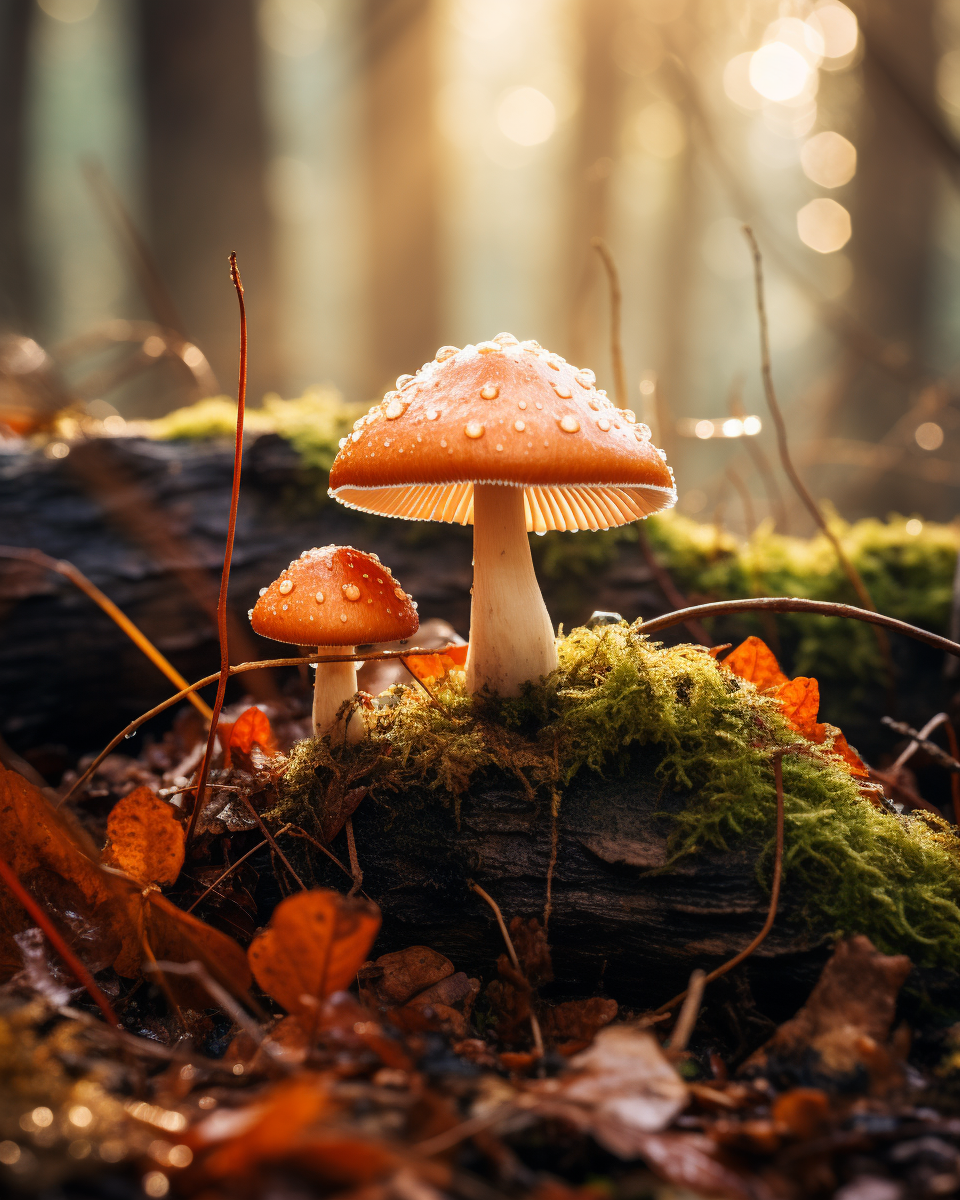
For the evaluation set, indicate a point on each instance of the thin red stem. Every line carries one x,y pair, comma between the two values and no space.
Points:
74,965
227,557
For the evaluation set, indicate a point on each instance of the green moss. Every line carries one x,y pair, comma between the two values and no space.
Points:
854,867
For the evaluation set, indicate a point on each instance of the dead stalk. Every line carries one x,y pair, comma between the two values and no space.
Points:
688,1013
534,1023
616,301
915,743
430,696
270,838
799,486
920,739
821,608
354,861
296,831
233,866
774,896
227,559
89,588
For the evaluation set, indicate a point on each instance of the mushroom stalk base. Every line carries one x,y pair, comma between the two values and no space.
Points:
336,683
511,635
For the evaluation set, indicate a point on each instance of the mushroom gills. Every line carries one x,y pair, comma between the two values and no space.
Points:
511,634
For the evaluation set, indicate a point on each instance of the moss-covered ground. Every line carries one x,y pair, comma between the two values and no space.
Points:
855,867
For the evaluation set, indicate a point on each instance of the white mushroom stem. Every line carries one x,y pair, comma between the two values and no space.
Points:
335,684
511,635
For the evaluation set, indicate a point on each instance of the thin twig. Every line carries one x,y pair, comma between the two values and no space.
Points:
822,608
233,866
72,962
914,745
89,588
616,300
689,1012
354,861
799,486
239,669
227,558
430,696
774,895
670,590
534,1023
954,777
935,752
296,831
270,838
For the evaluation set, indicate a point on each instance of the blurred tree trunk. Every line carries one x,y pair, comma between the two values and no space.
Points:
601,83
15,305
401,188
206,160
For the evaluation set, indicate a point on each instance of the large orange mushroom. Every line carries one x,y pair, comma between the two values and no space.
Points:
513,439
334,598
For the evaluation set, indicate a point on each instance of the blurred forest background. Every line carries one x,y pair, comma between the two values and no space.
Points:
399,174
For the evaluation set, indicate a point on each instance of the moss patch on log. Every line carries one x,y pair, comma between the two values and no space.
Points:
856,868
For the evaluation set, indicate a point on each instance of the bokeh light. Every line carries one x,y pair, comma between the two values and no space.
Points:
779,72
837,26
829,159
526,116
929,436
914,527
824,225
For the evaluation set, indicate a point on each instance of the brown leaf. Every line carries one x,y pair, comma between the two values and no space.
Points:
533,950
754,661
339,805
314,945
626,1084
842,1034
145,838
577,1020
397,977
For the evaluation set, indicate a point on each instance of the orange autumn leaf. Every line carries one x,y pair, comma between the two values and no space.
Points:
145,838
799,701
754,661
429,668
314,945
251,728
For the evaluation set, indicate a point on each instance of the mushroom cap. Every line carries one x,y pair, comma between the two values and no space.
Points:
335,596
502,412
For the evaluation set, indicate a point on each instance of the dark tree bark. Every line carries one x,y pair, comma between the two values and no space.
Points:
206,157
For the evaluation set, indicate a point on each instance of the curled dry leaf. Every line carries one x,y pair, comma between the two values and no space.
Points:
251,728
314,946
145,838
397,977
433,668
799,700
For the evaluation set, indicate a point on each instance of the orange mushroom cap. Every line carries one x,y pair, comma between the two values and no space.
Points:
335,596
503,412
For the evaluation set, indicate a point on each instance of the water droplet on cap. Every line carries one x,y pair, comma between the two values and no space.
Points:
319,597
286,586
343,616
262,592
446,352
603,424
531,345
343,442
506,339
519,426
585,378
522,404
403,380
562,391
473,429
396,408
488,347
490,392
569,424
432,414
628,415
351,591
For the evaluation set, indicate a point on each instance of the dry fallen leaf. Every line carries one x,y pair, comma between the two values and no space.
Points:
251,728
145,838
432,668
314,945
754,661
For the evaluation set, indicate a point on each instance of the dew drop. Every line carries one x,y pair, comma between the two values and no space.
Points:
628,415
499,447
488,347
404,380
386,441
562,391
249,614
539,405
319,597
533,346
284,607
522,404
603,424
263,591
585,378
343,616
286,587
594,404
506,339
351,591
432,414
342,442
356,435
443,441
446,352
396,408
519,426
490,392
128,736
473,429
